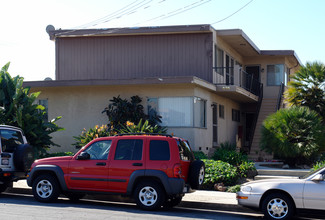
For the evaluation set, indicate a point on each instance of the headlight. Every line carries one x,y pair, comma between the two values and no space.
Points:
246,188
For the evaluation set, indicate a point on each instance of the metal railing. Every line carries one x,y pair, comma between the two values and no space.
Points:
280,96
233,76
257,113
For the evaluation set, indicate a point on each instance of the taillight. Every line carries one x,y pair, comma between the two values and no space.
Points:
177,171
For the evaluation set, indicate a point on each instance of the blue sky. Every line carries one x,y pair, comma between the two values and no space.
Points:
271,24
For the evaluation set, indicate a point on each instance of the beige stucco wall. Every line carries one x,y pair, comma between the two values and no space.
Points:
81,107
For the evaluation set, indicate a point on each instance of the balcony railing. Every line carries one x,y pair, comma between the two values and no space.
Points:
236,76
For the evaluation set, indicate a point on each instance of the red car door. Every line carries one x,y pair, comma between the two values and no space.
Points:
92,173
126,158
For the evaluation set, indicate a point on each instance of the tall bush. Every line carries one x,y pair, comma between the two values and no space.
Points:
19,109
295,135
119,111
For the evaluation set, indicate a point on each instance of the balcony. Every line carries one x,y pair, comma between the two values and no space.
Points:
237,84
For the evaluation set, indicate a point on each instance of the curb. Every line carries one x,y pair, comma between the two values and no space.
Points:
189,202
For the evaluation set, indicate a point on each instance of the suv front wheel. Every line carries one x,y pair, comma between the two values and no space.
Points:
149,195
46,188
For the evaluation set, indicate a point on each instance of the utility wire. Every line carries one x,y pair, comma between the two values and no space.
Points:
232,13
126,10
176,12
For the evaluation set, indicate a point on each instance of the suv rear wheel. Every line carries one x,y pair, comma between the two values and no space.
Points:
149,195
46,188
196,174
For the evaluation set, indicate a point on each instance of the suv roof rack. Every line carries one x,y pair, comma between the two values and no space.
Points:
157,134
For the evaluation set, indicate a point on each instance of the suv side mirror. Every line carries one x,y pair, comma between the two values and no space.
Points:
83,156
318,177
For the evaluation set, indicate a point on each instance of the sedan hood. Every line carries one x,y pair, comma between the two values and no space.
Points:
272,181
289,185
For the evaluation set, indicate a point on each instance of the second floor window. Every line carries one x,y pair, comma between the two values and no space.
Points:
275,75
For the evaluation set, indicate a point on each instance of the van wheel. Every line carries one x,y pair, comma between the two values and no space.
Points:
46,188
196,174
149,195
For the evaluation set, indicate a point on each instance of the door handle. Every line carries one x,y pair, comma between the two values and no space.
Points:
137,164
100,164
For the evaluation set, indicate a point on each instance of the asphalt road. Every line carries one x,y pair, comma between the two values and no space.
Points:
22,205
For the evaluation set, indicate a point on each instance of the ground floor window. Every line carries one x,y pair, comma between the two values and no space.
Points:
179,111
235,115
221,111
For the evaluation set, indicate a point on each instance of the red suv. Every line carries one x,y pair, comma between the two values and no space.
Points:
156,170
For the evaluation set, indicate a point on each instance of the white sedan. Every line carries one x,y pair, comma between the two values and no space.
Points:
280,198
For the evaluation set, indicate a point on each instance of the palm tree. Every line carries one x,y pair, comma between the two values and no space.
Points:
308,88
294,134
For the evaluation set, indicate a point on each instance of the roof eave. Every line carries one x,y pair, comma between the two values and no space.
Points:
130,31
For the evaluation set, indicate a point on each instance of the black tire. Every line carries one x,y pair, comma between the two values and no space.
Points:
23,157
46,188
196,174
3,187
172,202
149,195
278,206
74,197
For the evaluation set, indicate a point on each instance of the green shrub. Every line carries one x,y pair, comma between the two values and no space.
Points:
228,146
91,134
245,167
199,155
145,127
219,172
105,131
230,156
58,154
318,165
295,135
234,189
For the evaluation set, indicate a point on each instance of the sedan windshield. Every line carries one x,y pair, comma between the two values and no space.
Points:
311,173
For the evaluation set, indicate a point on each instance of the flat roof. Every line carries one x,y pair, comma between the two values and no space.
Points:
128,31
109,82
